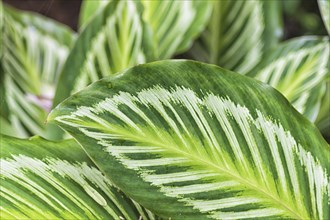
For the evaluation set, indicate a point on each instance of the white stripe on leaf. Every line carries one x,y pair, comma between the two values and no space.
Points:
20,167
201,154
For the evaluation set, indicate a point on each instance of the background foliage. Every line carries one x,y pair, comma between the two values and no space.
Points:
173,138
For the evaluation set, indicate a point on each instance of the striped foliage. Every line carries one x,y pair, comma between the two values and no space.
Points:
120,34
116,38
34,50
200,142
56,180
238,33
233,35
324,6
174,24
298,68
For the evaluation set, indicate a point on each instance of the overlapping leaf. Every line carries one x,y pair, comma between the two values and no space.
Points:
199,142
56,180
325,12
298,69
237,34
118,35
113,40
34,50
175,24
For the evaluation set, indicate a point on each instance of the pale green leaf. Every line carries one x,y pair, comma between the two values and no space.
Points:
34,50
6,127
298,68
175,24
194,141
122,34
324,6
88,9
56,180
238,33
116,38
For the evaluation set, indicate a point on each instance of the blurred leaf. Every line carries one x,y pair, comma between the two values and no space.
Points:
1,29
5,127
175,24
238,33
291,7
323,119
88,9
116,38
298,68
34,50
325,12
272,12
56,180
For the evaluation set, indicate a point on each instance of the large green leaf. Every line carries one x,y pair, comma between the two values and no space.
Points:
325,12
116,38
34,50
198,142
298,69
238,33
56,180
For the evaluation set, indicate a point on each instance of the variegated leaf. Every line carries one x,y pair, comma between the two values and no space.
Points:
89,9
324,6
126,33
175,24
116,38
238,33
56,180
34,50
200,142
298,68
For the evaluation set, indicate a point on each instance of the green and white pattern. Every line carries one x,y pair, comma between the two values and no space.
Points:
34,50
238,33
298,69
201,142
175,24
114,40
121,34
56,180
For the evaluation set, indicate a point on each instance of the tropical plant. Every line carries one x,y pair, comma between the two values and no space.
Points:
168,139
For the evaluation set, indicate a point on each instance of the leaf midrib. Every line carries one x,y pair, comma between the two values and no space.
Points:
176,149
